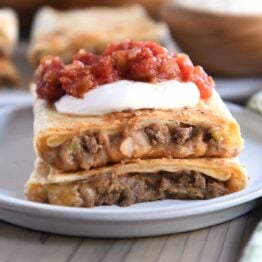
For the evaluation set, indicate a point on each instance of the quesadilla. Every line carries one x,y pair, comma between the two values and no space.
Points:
69,142
9,75
62,33
8,31
137,181
134,124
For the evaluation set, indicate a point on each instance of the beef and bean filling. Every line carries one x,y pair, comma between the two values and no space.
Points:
132,188
154,141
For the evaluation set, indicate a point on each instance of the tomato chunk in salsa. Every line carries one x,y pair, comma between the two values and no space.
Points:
131,60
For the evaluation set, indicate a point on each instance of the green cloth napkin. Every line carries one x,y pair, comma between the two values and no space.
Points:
253,250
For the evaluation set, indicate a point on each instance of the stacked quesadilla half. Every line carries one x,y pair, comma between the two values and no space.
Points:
109,144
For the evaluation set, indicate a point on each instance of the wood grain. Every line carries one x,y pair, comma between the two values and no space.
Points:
222,243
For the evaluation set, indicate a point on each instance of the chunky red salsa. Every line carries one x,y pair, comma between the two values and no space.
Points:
131,60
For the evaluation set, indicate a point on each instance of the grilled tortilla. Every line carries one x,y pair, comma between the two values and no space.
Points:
63,33
8,31
136,181
9,75
70,143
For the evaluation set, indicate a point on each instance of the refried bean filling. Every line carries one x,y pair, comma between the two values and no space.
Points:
153,141
130,188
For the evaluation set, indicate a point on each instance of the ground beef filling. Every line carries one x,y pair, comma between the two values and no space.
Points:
154,141
128,189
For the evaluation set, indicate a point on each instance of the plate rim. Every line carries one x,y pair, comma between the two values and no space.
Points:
125,214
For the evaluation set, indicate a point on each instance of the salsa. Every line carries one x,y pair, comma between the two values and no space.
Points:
130,60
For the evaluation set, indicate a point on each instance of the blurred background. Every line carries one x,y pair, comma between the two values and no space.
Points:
27,8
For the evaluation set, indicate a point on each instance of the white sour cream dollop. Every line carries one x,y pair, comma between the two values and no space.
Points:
130,95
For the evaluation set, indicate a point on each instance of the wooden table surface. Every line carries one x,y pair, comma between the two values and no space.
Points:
222,243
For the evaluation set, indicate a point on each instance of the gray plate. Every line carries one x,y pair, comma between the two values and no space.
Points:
145,219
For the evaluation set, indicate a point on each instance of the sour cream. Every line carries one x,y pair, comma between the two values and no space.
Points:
243,7
130,95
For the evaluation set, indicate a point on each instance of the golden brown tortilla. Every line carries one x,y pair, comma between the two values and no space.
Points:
52,129
51,186
9,75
